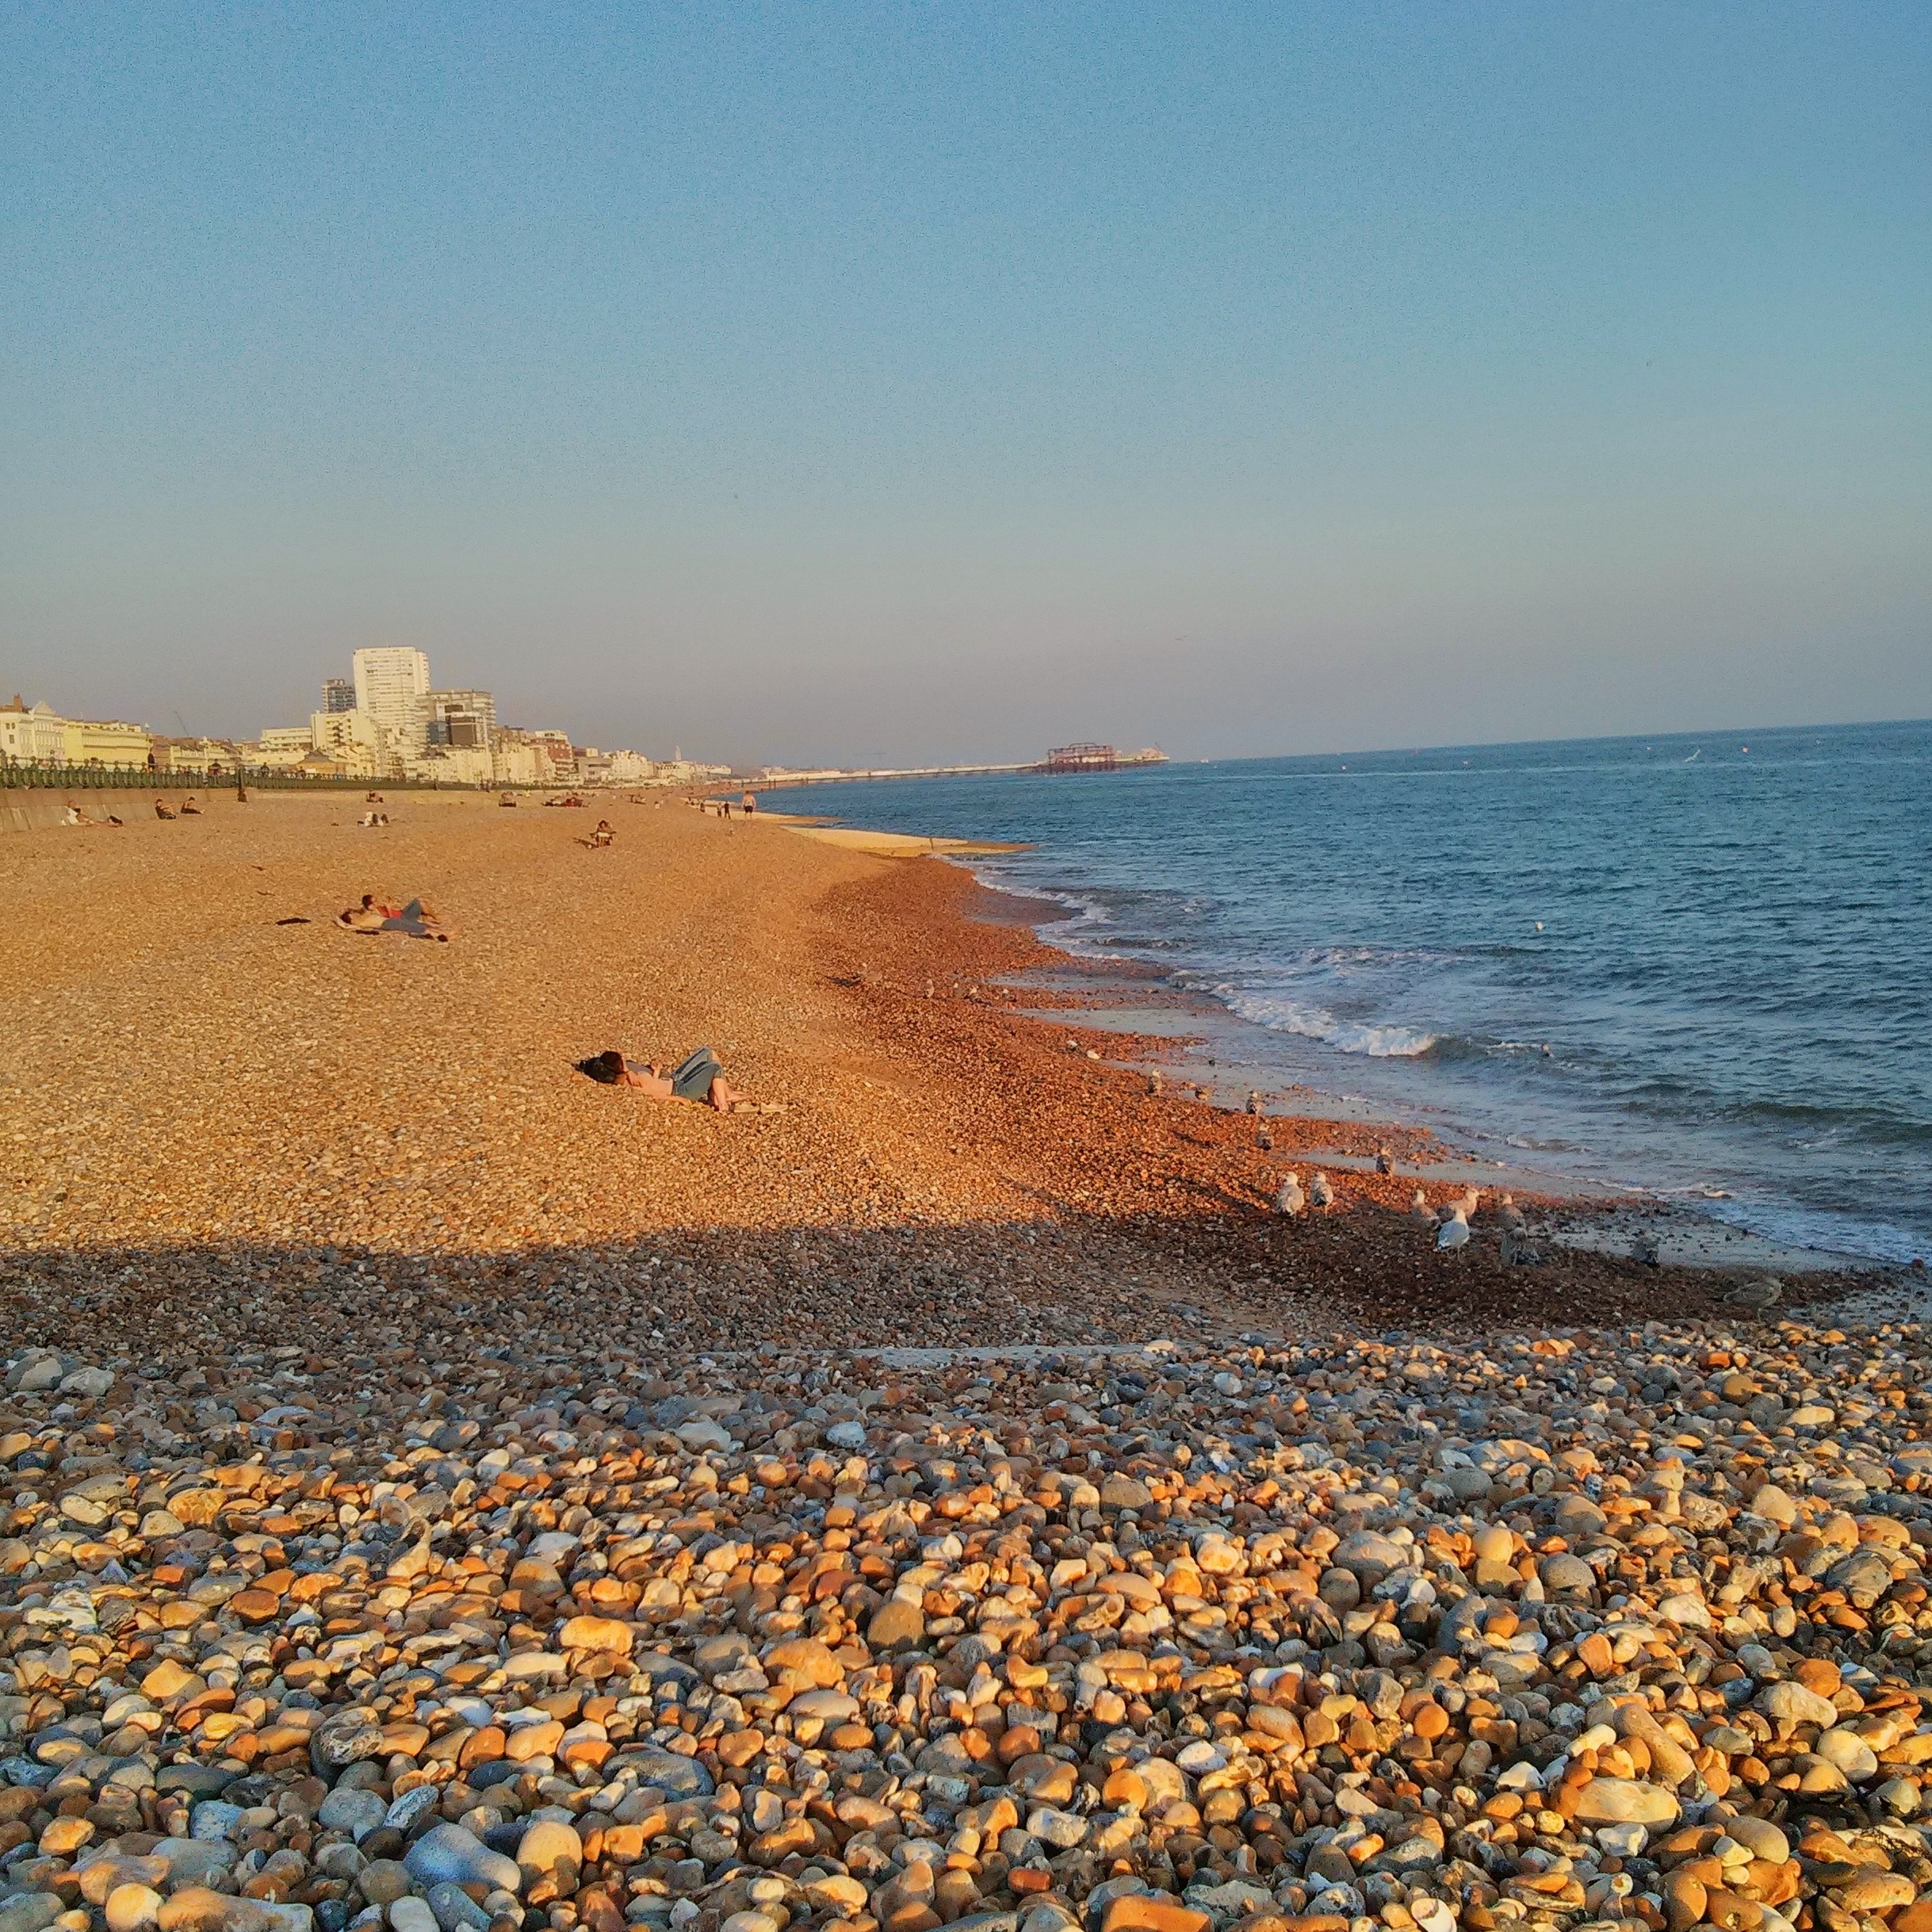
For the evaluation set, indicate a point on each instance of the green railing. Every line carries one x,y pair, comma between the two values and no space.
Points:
17,776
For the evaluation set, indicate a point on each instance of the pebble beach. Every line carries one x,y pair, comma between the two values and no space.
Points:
447,1493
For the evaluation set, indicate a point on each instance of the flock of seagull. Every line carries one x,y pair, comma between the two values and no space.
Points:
1450,1224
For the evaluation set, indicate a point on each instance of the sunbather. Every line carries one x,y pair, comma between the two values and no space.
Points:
414,921
162,811
699,1077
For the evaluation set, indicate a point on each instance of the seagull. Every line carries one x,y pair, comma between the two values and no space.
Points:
1644,1249
1320,1193
1153,1082
1516,1250
1454,1233
1254,1100
1467,1206
1264,1138
1289,1198
1420,1210
1385,1161
1538,925
1512,1214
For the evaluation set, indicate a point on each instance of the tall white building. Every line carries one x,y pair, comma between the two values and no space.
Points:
392,687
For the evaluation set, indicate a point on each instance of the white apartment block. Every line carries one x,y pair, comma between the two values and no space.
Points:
392,687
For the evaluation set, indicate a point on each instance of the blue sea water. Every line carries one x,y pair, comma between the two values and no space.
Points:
1700,964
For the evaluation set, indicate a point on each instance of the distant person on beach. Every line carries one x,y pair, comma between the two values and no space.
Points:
699,1077
190,809
162,811
602,835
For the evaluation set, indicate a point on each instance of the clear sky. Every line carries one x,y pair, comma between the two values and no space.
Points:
854,382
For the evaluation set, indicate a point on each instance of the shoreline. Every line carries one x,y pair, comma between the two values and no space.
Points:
1604,1216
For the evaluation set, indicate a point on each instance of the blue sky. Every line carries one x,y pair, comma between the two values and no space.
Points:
882,382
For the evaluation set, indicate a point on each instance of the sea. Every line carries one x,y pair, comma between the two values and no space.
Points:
1697,965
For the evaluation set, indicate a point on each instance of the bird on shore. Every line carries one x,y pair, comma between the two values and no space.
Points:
1385,1161
1289,1199
1254,1100
1419,1211
1644,1249
1264,1137
1454,1233
1153,1083
1467,1206
1320,1193
1517,1250
1512,1214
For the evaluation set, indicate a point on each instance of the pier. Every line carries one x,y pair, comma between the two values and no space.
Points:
1063,759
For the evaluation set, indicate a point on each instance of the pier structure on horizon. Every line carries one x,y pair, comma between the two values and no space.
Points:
1062,759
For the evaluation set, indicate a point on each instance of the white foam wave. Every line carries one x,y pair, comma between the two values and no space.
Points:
1081,914
1386,1042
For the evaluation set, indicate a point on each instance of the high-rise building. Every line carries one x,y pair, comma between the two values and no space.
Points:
392,687
339,695
463,720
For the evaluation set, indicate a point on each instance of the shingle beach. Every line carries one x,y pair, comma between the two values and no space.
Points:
448,1493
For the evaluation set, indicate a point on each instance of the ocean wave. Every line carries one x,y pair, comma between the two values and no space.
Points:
1384,1041
1080,909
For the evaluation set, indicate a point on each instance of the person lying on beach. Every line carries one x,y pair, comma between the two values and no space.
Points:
603,836
368,917
697,1076
414,921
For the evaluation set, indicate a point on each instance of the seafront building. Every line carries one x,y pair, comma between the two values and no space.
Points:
392,686
90,741
388,722
285,744
31,734
195,755
384,722
463,720
37,735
